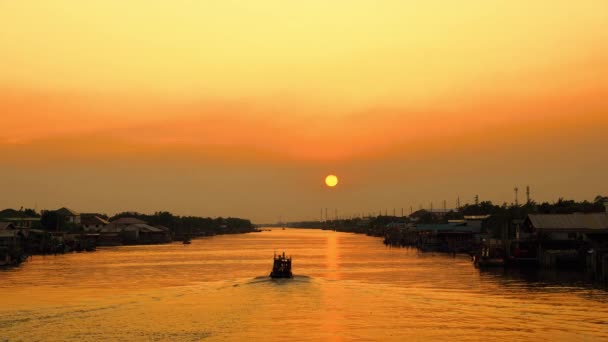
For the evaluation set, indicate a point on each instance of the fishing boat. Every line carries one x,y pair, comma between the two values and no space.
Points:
281,267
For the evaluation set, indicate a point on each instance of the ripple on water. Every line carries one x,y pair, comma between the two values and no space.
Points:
346,287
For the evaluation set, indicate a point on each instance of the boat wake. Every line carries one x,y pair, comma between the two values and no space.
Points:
266,279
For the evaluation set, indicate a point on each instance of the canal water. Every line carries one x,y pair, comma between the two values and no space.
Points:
347,287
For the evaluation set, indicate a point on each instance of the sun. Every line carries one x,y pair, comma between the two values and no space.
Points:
331,181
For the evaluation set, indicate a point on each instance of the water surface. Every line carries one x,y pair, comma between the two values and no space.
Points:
347,287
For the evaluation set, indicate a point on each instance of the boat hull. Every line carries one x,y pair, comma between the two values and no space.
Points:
276,275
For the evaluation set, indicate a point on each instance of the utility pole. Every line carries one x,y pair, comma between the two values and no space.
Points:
458,202
476,199
516,199
444,206
527,194
401,212
411,210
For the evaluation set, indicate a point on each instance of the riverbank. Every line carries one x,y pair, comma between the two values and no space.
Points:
85,233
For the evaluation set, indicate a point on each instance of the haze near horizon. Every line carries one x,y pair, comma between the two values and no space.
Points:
239,109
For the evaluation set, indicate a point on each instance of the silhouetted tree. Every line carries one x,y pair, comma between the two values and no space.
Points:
51,221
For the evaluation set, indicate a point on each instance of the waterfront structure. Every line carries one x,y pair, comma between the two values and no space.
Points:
93,222
11,252
437,214
565,239
19,218
131,230
448,237
68,215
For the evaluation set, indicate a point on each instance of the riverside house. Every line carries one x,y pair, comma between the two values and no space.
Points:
92,223
565,239
10,243
69,215
130,230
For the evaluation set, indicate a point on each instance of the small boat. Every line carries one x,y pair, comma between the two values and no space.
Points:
489,256
187,241
281,267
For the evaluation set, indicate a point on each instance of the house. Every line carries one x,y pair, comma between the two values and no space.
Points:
143,233
476,221
69,215
560,239
131,230
125,221
434,213
92,222
564,227
10,246
457,236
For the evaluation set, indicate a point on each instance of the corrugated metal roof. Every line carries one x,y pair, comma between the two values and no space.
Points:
66,212
142,227
92,220
596,221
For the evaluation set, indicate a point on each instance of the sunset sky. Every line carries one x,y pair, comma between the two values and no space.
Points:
241,108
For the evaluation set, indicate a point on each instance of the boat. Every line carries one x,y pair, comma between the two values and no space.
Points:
187,240
281,267
489,256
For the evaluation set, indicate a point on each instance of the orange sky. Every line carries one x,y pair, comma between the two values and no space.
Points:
241,108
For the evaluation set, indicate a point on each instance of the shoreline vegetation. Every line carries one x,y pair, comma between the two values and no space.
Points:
25,232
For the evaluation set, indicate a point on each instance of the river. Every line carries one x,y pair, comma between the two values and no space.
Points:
347,287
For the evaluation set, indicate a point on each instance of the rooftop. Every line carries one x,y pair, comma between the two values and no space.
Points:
556,222
66,212
93,220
